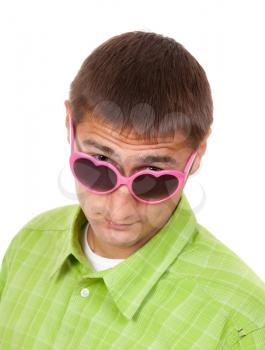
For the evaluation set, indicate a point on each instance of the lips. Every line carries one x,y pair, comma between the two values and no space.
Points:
117,225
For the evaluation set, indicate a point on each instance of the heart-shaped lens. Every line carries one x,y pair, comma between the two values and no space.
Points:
149,187
99,178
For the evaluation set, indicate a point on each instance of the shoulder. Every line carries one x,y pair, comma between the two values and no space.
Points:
59,218
221,275
42,225
220,264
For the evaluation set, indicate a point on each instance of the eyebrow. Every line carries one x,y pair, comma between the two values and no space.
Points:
151,158
102,148
157,159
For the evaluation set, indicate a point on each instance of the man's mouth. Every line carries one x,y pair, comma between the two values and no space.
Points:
118,225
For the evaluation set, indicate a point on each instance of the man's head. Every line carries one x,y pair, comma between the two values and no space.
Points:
138,94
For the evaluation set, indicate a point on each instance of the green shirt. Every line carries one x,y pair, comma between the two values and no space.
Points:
183,289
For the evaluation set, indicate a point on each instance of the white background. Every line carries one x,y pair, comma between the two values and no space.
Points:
43,44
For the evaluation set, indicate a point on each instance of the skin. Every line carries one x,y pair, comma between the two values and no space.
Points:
120,206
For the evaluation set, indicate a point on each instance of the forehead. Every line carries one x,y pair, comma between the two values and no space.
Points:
129,136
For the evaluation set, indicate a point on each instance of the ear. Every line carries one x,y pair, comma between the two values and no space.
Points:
67,119
201,150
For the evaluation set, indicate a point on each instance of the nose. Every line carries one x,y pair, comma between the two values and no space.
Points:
121,205
122,193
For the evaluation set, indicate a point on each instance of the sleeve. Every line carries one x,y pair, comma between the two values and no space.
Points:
3,274
7,261
254,340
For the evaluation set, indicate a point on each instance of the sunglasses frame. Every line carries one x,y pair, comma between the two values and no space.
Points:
128,180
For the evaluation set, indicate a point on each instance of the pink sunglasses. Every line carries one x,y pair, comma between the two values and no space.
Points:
147,186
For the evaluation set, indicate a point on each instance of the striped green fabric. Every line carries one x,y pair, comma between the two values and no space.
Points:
184,289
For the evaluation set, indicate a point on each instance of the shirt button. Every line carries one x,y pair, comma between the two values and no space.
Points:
84,292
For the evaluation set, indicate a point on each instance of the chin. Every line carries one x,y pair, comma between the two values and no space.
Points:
119,237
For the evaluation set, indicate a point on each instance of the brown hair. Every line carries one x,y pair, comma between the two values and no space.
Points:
145,82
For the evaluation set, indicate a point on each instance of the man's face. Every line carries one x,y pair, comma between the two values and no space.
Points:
144,220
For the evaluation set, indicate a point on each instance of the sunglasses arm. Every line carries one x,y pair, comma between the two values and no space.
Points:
71,133
189,165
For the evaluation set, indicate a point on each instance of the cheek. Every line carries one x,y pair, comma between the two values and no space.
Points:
80,190
86,199
157,215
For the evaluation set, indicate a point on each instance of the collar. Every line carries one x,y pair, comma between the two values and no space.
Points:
130,281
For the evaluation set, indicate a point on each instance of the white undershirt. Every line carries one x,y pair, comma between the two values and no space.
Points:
97,261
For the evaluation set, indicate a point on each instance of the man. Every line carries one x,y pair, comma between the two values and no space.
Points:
130,266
